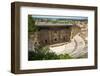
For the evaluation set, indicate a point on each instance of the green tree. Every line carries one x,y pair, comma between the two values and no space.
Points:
31,24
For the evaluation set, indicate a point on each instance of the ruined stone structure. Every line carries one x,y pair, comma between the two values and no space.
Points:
54,31
48,35
52,35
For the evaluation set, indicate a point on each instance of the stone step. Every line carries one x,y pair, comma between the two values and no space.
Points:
83,29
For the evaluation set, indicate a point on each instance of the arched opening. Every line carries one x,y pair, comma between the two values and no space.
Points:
45,41
55,39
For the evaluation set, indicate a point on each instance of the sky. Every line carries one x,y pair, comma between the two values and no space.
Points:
60,17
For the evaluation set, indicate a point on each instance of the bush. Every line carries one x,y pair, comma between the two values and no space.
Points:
43,53
65,56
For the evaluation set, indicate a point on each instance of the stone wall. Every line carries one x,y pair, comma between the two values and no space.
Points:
50,36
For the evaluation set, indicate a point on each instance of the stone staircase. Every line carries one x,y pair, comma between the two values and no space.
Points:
78,47
81,50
